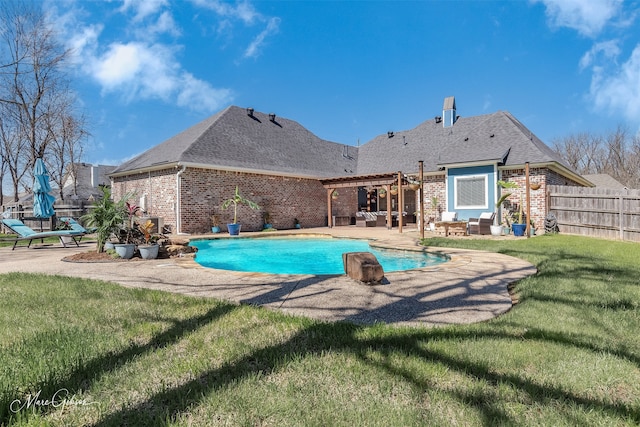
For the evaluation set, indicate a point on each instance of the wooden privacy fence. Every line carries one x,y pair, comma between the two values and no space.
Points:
610,214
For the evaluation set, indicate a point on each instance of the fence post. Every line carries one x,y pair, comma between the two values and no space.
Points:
621,210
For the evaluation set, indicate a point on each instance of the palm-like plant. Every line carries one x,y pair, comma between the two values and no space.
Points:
107,216
505,196
236,200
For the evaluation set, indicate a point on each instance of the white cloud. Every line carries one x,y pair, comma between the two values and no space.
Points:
247,14
143,8
253,50
200,96
588,17
619,92
137,66
606,50
243,11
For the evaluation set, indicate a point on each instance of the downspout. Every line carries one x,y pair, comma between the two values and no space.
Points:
178,199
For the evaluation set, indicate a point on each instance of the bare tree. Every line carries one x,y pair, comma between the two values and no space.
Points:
68,134
613,154
36,102
13,148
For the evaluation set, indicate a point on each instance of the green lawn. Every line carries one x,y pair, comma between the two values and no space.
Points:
567,354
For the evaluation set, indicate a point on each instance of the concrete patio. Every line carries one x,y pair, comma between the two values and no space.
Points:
472,287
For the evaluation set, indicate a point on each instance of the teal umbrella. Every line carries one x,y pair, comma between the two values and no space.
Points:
42,200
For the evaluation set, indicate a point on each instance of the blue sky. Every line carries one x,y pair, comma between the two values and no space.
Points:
145,70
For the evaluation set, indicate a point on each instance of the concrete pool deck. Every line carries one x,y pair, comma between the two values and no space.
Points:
472,287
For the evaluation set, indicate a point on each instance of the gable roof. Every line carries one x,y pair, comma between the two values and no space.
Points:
492,138
235,139
245,140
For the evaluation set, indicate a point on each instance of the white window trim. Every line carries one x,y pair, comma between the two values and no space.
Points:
486,191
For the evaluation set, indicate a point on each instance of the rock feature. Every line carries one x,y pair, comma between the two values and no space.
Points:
362,266
178,248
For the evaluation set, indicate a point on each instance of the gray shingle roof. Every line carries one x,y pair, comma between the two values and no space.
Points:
603,180
234,139
493,137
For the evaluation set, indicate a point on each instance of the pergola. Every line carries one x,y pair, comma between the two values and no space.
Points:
385,180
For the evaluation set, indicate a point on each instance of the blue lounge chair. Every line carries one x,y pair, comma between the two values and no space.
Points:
26,233
76,226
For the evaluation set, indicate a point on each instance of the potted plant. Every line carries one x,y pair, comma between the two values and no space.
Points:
215,224
150,249
394,190
64,226
497,228
382,193
434,208
518,226
126,246
296,223
237,199
266,220
107,216
414,184
334,194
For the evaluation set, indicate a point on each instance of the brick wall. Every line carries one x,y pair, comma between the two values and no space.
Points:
434,186
158,187
203,192
537,198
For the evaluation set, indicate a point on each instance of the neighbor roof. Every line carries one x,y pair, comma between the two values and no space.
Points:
235,139
603,180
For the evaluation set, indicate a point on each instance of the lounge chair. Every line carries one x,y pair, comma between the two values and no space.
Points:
76,226
482,224
26,233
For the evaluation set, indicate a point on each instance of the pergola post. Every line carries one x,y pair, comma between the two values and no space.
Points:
421,196
400,201
329,207
389,216
527,188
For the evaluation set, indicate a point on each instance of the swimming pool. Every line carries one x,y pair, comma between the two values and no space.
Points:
301,255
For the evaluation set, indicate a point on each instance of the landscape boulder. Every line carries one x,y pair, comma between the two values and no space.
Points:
362,266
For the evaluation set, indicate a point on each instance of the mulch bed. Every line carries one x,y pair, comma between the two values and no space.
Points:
94,256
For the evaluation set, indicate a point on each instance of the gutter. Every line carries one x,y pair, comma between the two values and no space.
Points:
561,169
178,195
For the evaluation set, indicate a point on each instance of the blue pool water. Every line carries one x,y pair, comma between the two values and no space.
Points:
300,255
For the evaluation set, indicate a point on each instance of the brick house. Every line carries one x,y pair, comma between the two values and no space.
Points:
291,173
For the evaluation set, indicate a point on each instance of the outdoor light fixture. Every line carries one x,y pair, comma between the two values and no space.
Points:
272,117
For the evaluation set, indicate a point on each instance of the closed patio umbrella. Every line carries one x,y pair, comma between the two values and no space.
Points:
42,200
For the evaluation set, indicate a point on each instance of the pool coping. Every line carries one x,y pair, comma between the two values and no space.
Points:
472,287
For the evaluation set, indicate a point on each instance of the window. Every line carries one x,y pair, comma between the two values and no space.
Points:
471,192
